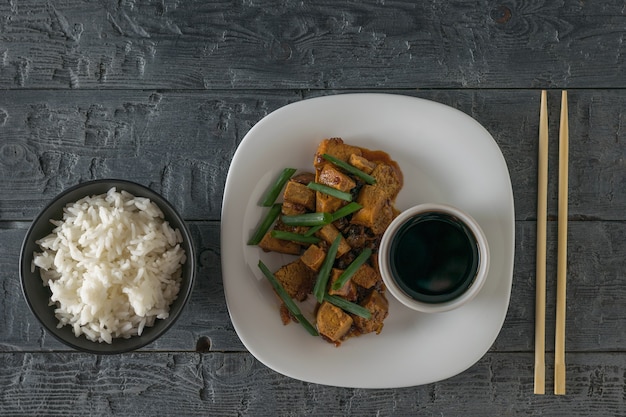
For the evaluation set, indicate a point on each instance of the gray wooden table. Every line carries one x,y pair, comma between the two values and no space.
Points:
162,92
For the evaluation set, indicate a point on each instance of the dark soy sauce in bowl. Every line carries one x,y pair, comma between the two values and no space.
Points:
434,257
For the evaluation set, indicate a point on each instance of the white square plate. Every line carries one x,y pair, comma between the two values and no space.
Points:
446,157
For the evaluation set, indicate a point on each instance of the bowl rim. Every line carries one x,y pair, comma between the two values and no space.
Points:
149,335
436,307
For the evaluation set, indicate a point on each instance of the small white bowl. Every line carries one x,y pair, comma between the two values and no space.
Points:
434,305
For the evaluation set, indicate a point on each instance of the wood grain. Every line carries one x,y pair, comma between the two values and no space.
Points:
595,274
162,92
189,384
73,44
52,140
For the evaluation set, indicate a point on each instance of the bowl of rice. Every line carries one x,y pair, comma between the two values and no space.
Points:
107,266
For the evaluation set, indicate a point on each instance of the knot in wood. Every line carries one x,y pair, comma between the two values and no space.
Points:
203,345
501,14
12,154
280,51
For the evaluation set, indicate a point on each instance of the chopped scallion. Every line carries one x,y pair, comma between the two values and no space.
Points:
348,306
272,193
350,169
322,276
312,230
284,296
307,219
265,225
346,210
294,237
342,212
322,188
352,268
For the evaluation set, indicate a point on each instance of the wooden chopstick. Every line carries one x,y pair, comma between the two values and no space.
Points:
542,209
561,279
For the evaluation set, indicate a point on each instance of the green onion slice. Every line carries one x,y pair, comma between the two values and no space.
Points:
349,168
312,230
265,225
322,276
342,212
322,188
348,306
306,324
272,193
346,210
289,303
307,219
352,268
295,237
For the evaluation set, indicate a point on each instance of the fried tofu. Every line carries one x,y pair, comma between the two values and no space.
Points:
377,211
271,244
289,209
365,276
325,203
297,279
348,291
333,322
313,257
297,193
376,199
333,177
303,178
378,305
361,163
362,229
328,233
285,315
387,179
335,147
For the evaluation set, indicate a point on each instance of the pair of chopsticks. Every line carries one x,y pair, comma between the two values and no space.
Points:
561,282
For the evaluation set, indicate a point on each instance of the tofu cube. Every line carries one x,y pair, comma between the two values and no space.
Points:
299,194
348,291
325,203
333,322
388,179
333,177
297,279
377,212
365,276
378,305
313,257
336,148
328,233
271,244
362,163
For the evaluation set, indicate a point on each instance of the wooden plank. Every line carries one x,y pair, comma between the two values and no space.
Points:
71,44
233,384
595,312
595,308
54,139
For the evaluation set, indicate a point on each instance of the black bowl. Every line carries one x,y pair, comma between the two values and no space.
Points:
38,296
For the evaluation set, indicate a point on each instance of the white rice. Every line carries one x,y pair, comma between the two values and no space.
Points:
113,265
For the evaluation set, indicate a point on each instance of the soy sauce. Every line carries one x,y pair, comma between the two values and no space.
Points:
434,257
